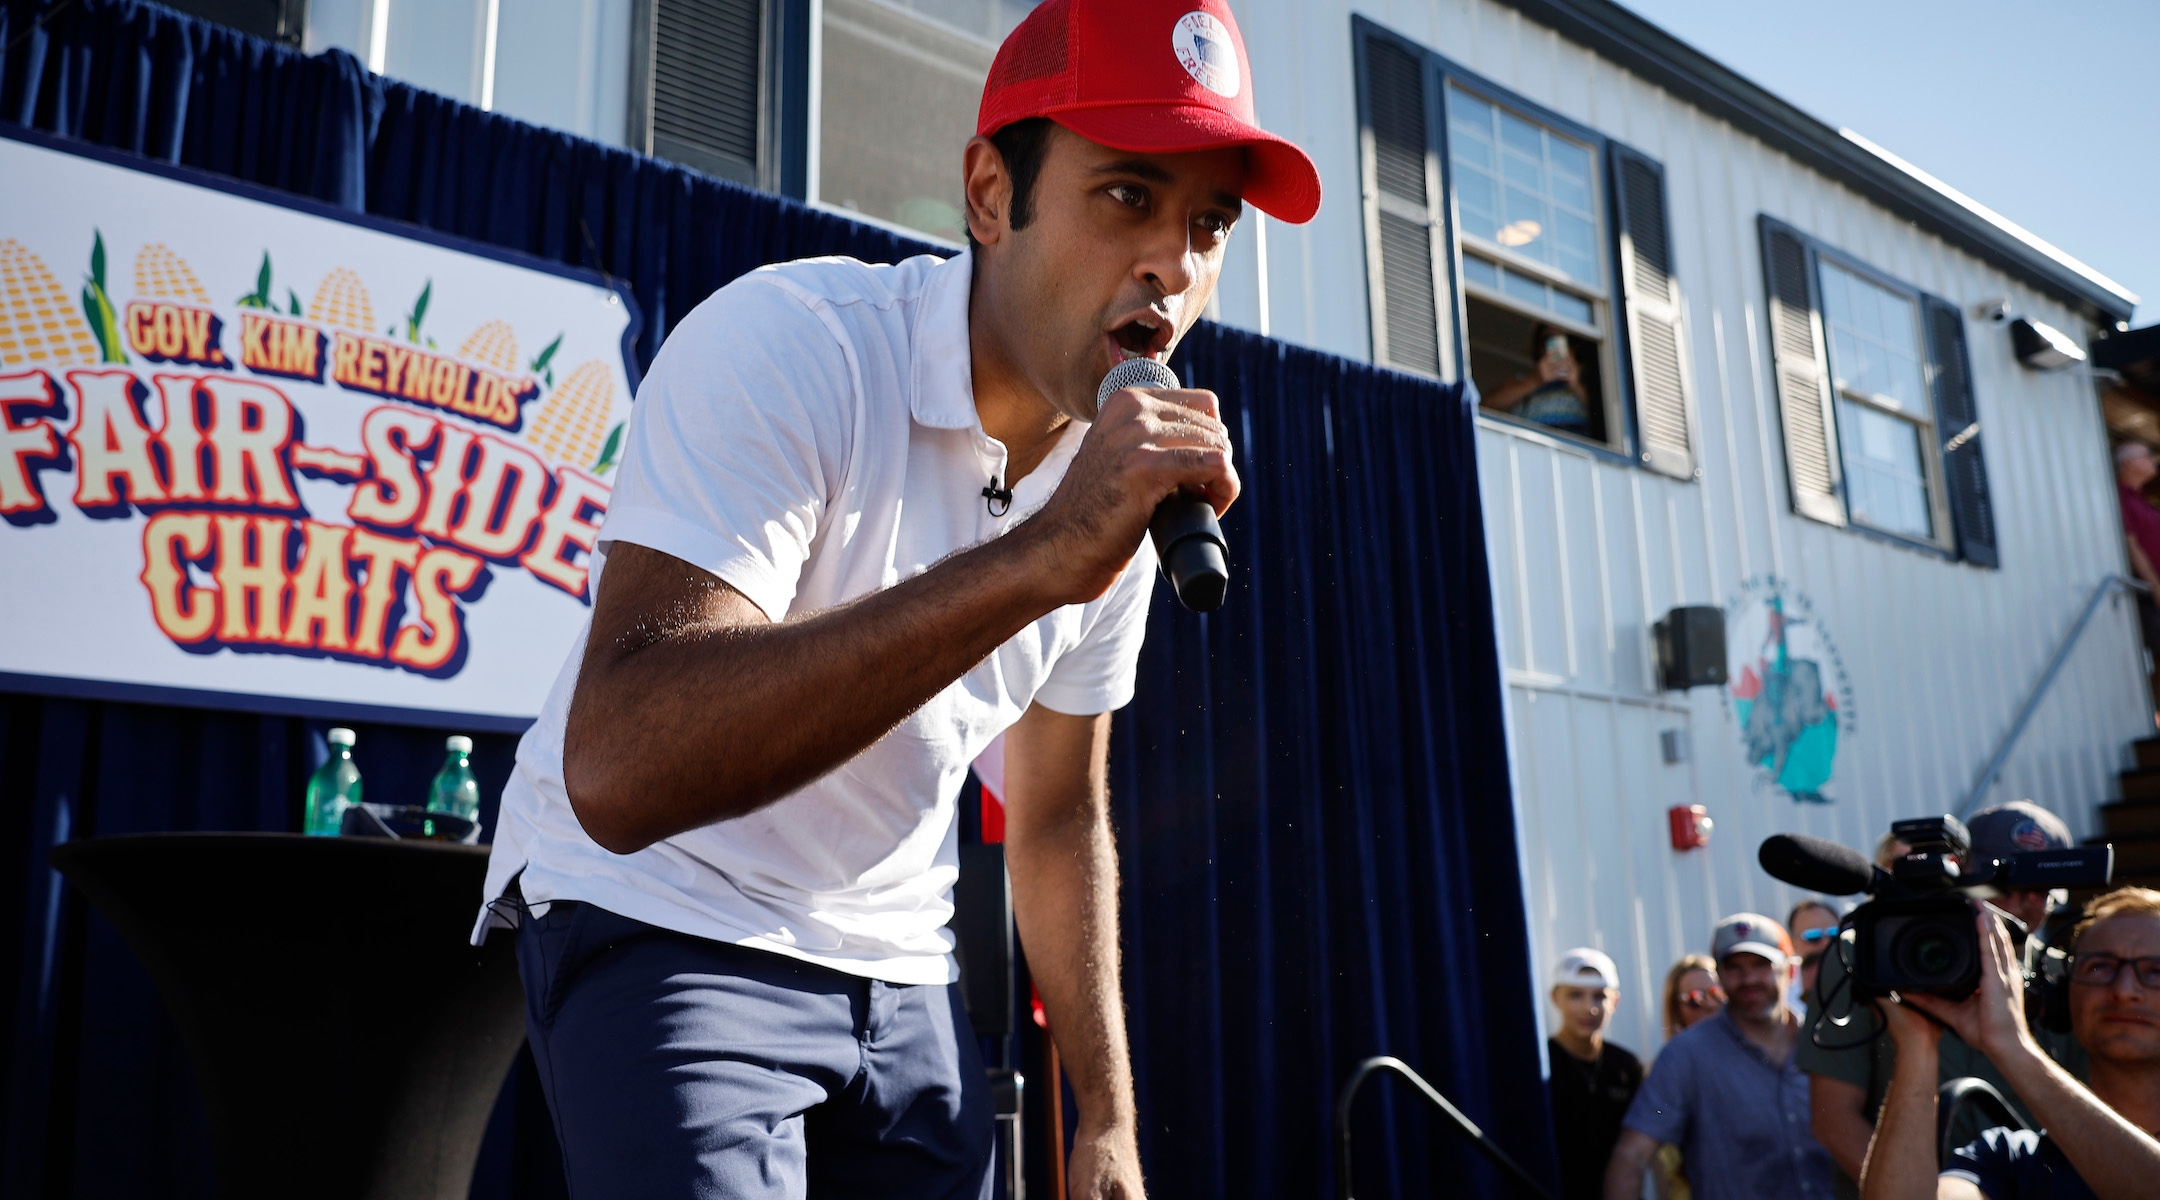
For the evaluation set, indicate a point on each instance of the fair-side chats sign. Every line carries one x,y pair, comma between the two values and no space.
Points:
254,449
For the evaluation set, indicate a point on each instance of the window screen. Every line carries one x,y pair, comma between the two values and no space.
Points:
902,82
706,84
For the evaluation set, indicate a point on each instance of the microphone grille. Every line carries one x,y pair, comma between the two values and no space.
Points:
1135,372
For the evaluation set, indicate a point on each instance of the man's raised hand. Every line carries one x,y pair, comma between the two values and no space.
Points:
1992,1019
1145,444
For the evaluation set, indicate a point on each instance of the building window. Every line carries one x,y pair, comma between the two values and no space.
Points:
902,82
1534,298
1510,246
1882,402
721,86
1875,393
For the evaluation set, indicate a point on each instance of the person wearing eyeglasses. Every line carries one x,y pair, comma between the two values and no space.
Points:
2095,1141
1849,1066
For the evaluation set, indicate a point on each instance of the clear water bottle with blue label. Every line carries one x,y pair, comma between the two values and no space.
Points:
333,788
455,791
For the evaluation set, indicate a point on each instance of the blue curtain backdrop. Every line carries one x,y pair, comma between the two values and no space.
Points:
1311,794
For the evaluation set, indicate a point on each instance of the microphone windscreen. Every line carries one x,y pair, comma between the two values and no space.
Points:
1134,372
1815,864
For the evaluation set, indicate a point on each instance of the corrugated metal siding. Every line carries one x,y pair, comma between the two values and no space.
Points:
1588,552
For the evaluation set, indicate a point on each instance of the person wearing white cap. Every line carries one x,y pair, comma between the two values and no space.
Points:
1593,1081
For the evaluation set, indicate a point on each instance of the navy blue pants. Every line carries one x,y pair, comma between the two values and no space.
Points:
680,1067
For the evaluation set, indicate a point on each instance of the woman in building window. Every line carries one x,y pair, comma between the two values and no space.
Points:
1552,393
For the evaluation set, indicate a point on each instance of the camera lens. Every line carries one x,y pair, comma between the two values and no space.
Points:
1933,952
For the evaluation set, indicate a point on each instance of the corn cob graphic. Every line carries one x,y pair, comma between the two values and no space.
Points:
494,344
161,274
571,426
342,300
38,324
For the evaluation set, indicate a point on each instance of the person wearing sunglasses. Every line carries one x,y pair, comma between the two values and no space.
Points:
1849,1065
2094,1141
1692,996
1813,924
1692,993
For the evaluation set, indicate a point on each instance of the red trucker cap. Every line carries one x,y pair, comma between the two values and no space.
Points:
1152,77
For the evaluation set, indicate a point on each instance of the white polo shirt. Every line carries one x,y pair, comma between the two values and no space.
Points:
809,435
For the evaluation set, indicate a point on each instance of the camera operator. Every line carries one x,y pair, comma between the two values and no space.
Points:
2097,1142
1849,1067
1726,1090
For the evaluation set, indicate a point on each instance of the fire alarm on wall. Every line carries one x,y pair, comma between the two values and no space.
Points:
1690,826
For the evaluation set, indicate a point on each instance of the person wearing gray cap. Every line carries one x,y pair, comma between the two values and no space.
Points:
1726,1090
1592,1080
1849,1066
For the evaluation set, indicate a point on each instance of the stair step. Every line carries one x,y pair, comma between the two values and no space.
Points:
2148,751
2136,855
2131,818
2141,784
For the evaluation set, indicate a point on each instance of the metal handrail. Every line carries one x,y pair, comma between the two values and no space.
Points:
1980,1094
1387,1062
1995,765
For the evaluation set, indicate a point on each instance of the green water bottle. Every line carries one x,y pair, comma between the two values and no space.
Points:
455,791
333,788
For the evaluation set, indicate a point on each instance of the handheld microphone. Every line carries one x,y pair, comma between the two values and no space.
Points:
1815,864
1187,537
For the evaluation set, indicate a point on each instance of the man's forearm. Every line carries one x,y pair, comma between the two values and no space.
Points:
1839,1121
2117,1159
1065,880
1901,1159
715,712
1624,1170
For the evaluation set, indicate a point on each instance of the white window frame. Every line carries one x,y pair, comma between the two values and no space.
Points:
1602,326
1940,534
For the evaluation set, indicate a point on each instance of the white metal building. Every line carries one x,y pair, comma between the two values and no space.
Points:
1801,402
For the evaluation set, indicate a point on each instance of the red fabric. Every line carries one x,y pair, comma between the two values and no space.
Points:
1133,75
2141,521
993,817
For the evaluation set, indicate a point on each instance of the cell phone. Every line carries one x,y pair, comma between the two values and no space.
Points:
1556,346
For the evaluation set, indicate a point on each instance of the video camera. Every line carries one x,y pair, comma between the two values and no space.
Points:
1917,933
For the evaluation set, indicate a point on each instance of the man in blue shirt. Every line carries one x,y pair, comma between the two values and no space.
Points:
2097,1142
1726,1091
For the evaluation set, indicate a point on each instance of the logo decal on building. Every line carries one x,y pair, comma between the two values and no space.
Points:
1791,697
1204,49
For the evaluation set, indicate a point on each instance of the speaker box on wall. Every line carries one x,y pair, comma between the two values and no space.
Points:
1690,645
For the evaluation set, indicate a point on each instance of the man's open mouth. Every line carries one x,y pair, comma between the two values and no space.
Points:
1145,336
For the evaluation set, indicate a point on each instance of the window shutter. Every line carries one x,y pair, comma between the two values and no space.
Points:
706,84
1957,423
1406,329
1652,296
1803,377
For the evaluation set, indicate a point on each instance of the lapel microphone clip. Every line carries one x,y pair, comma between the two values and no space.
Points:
998,500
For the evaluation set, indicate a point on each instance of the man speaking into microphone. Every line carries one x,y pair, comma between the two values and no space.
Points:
868,518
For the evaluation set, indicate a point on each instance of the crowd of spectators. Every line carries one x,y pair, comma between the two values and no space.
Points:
1774,1084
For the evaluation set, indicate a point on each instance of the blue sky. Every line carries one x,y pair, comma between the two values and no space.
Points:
2046,113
